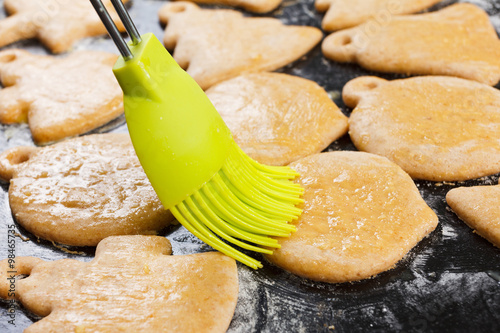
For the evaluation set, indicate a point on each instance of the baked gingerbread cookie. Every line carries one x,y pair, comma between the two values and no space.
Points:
435,127
57,24
214,45
132,285
479,208
255,6
361,215
80,191
278,118
342,14
458,40
59,97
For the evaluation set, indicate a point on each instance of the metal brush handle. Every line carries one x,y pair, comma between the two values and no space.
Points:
113,30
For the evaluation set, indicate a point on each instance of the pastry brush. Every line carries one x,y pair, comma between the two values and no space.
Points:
199,173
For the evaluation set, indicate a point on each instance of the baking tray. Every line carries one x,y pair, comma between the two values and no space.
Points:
450,282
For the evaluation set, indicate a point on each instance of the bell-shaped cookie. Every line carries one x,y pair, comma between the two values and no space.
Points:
132,285
435,127
278,118
80,191
458,40
361,215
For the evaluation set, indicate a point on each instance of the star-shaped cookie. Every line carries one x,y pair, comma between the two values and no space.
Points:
132,285
216,45
57,24
59,97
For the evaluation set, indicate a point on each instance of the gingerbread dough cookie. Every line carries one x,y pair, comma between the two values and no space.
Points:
57,24
458,40
361,215
278,118
80,191
59,97
341,14
256,6
435,128
219,44
479,208
132,285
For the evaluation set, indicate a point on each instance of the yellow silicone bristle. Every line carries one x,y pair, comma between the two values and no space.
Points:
246,204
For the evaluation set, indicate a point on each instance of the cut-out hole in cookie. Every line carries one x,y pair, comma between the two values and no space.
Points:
9,57
346,40
19,155
170,9
11,158
178,8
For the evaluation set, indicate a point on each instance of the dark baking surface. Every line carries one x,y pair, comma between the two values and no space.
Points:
450,282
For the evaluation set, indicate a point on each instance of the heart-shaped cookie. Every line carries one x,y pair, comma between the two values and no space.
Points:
479,208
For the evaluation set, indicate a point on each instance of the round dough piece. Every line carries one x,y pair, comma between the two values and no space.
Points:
278,118
435,128
479,208
361,215
80,191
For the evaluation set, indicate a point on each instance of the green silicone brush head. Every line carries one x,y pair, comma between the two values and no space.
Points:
210,185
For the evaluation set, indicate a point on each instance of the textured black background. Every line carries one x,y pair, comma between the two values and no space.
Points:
445,284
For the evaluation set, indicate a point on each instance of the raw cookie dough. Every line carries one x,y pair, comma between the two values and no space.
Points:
435,128
132,285
278,118
362,214
479,208
458,40
80,191
256,6
341,14
59,97
58,24
219,44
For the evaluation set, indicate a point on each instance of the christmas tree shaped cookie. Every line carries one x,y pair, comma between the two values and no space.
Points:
216,45
57,24
59,97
